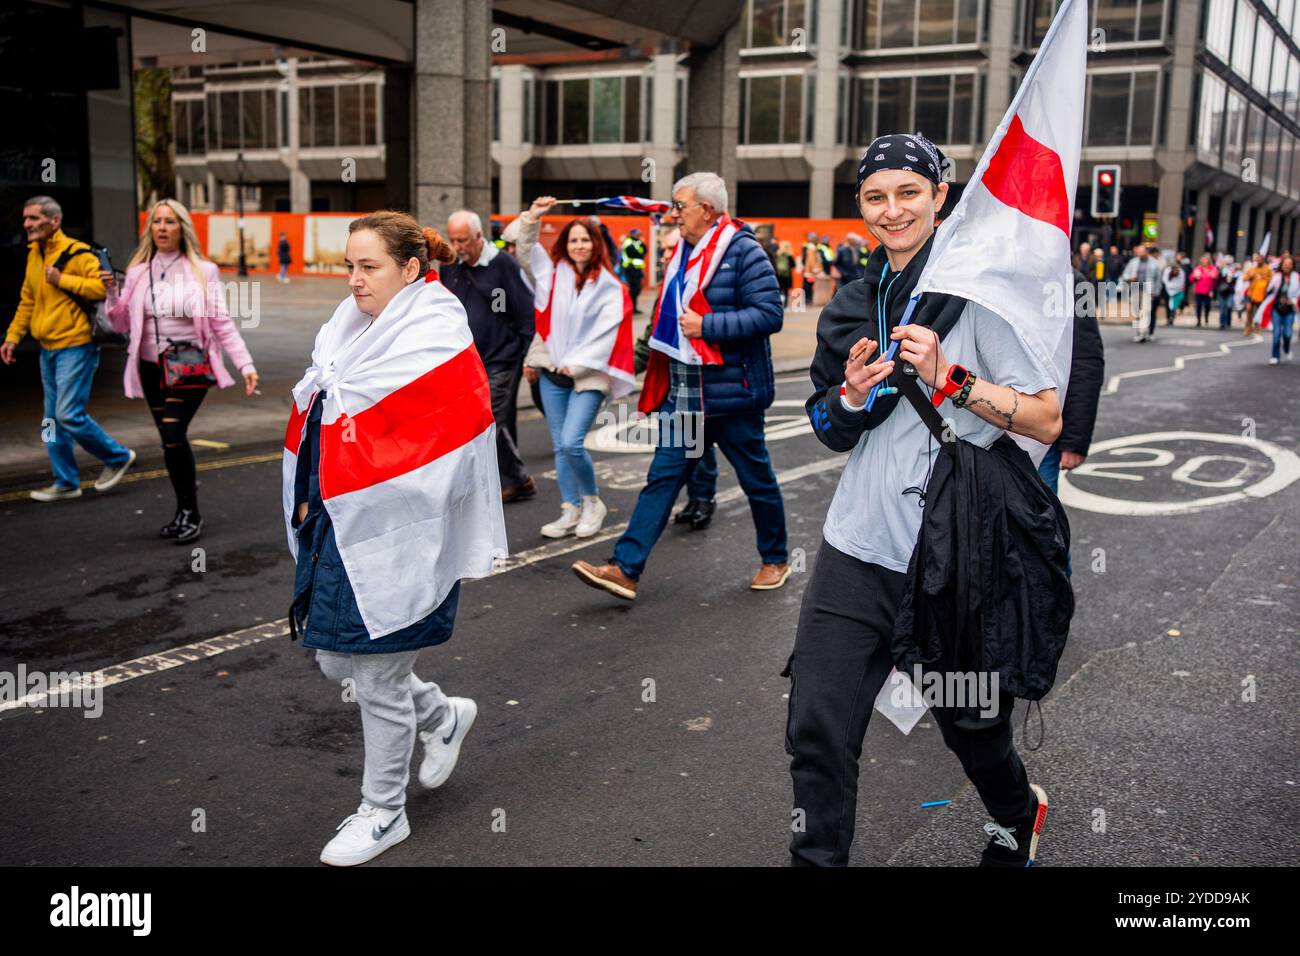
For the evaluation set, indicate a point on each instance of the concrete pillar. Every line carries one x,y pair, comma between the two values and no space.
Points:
299,184
997,89
212,195
824,155
1223,241
713,108
452,127
510,149
662,148
111,138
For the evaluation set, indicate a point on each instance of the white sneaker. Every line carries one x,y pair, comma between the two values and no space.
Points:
442,746
364,835
55,492
1272,361
1286,356
563,525
111,476
593,516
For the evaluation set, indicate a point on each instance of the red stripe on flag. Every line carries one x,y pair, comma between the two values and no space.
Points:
1026,175
623,356
440,411
293,432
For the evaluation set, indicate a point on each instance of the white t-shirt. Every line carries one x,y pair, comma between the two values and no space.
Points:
870,518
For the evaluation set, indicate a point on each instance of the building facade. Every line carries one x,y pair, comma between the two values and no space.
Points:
1195,100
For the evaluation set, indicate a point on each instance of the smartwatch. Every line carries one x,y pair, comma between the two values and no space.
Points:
951,385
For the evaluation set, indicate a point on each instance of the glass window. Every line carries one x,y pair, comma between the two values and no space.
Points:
350,114
866,119
575,119
631,109
1286,146
649,111
370,103
1270,153
1277,82
932,107
1209,124
797,19
1108,95
304,117
1218,29
894,109
963,108
1243,37
765,23
1118,18
869,37
934,23
1234,132
841,110
1254,138
181,126
1044,11
229,119
764,109
551,112
1263,55
605,108
1142,117
897,20
530,108
323,133
680,113
967,21
1151,17
1293,89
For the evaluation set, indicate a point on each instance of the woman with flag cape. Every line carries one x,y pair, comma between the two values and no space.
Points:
391,496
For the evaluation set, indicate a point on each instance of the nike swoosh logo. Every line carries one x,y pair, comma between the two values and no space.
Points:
447,739
378,832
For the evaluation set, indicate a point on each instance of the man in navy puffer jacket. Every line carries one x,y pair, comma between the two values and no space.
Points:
744,312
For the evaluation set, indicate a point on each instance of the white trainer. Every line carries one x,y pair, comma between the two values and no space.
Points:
592,517
1272,361
55,492
564,525
364,835
442,746
111,476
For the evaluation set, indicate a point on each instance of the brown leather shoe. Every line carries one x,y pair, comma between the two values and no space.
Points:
770,577
607,577
520,492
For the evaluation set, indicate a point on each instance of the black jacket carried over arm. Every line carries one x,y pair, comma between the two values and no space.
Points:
1087,373
987,588
501,337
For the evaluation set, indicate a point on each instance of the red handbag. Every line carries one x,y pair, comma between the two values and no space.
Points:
183,364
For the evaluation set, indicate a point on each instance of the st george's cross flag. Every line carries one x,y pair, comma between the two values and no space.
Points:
684,283
1006,245
408,463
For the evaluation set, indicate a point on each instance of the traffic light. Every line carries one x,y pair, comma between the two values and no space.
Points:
1105,191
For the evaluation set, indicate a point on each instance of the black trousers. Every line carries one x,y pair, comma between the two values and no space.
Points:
504,383
172,410
841,660
634,279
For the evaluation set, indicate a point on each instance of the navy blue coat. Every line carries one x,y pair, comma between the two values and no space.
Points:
746,303
324,609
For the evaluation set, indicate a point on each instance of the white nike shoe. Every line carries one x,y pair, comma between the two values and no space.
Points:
592,517
563,526
364,835
442,746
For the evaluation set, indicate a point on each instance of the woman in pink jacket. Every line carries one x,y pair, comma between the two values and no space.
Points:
173,295
1204,277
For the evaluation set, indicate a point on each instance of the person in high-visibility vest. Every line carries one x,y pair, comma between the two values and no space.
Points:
633,264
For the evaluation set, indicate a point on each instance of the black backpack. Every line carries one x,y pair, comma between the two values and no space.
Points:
101,330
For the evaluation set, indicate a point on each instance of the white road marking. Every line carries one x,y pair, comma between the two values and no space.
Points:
1286,469
1180,362
246,637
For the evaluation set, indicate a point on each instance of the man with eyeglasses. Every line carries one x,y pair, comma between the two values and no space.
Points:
744,311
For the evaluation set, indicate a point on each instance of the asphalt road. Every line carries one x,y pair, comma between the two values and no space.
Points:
1150,754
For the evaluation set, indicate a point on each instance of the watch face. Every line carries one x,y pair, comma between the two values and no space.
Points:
957,375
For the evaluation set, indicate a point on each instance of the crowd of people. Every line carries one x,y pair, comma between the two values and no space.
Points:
443,330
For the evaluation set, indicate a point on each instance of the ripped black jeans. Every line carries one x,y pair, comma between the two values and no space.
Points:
172,410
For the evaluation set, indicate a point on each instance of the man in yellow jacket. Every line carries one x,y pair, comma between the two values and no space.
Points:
69,356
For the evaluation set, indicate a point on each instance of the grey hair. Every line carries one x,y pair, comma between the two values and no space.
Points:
475,223
48,206
709,187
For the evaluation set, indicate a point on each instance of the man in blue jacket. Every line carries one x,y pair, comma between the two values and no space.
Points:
745,311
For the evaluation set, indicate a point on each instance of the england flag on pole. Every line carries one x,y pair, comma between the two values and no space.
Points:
408,463
1006,245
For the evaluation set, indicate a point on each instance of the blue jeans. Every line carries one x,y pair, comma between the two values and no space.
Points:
569,415
741,439
703,483
1225,311
1282,326
1050,470
66,376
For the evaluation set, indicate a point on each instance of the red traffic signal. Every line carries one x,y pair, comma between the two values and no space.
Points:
1106,178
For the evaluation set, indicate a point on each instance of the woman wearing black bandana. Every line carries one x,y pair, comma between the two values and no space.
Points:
988,383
